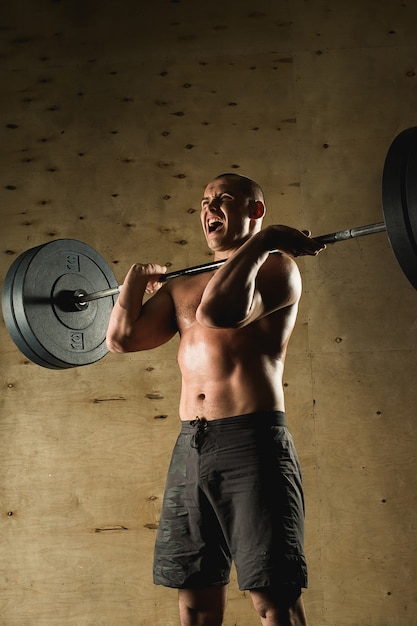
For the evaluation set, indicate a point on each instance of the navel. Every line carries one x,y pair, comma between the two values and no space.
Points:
201,396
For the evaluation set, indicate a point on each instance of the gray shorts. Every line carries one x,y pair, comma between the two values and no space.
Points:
233,493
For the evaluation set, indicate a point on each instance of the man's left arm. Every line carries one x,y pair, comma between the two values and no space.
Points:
253,283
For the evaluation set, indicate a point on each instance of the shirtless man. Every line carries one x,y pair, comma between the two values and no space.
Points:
234,487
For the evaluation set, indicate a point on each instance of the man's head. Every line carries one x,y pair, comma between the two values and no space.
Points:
232,210
248,186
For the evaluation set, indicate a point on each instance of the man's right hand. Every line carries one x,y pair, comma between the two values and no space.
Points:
152,271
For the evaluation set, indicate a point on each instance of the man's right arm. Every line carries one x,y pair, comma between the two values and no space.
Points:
135,326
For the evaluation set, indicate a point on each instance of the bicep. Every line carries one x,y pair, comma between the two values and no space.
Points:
155,326
278,286
281,283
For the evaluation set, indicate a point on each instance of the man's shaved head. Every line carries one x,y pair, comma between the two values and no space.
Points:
248,186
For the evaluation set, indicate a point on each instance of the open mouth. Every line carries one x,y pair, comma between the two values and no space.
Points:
214,224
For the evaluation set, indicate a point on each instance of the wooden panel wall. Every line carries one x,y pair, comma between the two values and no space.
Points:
113,118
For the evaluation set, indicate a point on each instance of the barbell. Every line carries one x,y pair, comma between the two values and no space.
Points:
57,297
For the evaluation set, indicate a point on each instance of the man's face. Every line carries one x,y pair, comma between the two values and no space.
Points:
226,214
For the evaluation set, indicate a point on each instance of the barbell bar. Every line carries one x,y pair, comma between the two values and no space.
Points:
57,297
340,235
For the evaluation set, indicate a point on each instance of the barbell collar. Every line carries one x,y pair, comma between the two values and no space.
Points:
84,298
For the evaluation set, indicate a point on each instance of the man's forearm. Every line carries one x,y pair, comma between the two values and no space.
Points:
230,296
127,309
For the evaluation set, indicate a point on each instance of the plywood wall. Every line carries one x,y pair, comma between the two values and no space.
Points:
113,118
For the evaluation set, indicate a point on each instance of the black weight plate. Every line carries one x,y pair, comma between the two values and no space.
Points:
411,184
399,201
46,327
8,310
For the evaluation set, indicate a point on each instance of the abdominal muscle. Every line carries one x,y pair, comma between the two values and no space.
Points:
229,372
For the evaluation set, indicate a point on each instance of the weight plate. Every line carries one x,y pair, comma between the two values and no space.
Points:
39,310
399,200
411,184
8,311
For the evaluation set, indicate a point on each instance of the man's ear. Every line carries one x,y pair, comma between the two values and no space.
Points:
257,210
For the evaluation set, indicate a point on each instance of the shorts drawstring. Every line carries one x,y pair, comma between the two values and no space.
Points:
200,424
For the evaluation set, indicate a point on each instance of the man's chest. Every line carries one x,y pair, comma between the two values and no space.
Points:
187,294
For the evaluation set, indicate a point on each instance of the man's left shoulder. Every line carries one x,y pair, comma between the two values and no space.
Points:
281,262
